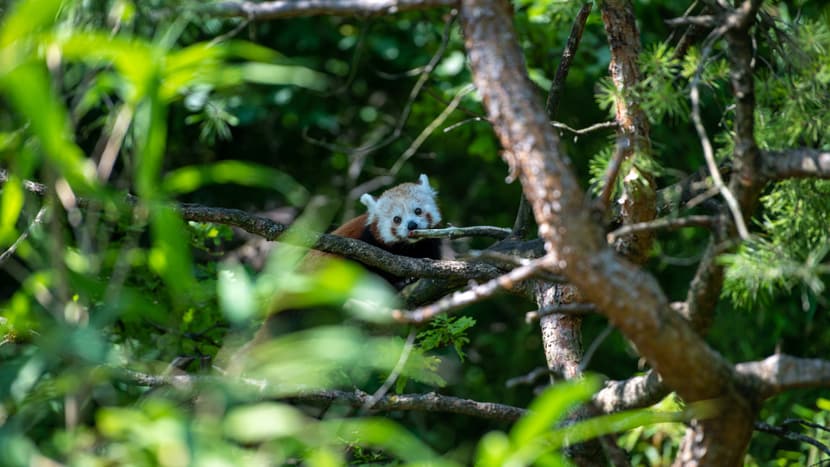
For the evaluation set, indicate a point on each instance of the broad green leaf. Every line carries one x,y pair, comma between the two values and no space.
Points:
187,179
236,294
262,422
151,123
551,407
11,203
170,256
384,434
29,89
264,73
134,60
25,18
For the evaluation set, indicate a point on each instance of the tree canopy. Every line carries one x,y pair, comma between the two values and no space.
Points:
635,251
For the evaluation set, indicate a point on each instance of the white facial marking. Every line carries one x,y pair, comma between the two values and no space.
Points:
401,209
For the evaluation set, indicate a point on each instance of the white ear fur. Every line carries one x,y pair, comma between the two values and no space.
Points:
424,180
368,200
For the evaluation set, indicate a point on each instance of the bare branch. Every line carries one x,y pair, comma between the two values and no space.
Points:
562,309
611,173
294,8
665,223
473,294
782,432
637,392
568,55
630,297
587,129
460,232
529,378
795,163
706,21
779,373
708,152
349,248
430,402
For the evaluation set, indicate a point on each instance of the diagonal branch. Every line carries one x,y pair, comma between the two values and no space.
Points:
473,294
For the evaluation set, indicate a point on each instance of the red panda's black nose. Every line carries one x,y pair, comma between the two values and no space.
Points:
411,225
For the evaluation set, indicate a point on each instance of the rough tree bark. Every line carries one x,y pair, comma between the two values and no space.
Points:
627,295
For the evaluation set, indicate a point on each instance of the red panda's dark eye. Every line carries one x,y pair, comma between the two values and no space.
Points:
418,211
397,219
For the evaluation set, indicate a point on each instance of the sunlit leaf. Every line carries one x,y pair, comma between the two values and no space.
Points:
236,294
383,434
170,256
550,407
29,89
25,18
187,179
11,203
262,422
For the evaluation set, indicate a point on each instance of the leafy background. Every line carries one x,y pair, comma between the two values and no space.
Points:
264,117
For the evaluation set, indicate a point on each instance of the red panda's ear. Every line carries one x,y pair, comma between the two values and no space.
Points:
368,201
424,180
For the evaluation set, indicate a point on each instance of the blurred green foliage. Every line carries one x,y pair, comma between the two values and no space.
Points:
160,99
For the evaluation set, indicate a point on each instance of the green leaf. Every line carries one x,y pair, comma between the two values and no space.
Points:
236,294
187,179
11,203
384,434
170,256
550,407
262,422
28,88
25,18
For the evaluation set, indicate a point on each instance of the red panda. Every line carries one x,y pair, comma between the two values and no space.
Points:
386,224
391,217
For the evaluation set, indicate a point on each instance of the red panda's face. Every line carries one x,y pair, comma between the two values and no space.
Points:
402,209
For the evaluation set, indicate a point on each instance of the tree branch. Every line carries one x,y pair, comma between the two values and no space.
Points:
627,295
349,248
430,402
795,163
633,393
665,223
473,294
779,373
294,8
568,55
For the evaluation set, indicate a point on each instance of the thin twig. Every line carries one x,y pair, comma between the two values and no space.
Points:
464,122
473,294
587,129
589,353
404,116
410,151
564,309
459,232
665,223
529,378
568,55
708,152
612,171
13,247
393,376
782,432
